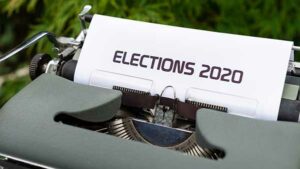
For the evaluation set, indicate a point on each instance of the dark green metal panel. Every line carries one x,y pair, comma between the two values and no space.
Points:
28,131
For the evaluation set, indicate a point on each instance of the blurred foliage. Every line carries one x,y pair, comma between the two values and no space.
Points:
21,19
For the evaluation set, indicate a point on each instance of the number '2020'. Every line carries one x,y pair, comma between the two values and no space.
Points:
223,74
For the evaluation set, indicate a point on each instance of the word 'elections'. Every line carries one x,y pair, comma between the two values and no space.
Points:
154,62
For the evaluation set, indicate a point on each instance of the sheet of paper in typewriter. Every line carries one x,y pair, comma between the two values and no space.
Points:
245,74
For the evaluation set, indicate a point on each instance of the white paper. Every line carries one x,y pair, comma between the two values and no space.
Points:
257,93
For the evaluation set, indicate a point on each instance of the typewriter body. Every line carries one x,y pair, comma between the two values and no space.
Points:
56,123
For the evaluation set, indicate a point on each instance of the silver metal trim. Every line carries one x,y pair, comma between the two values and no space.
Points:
25,44
26,161
296,48
84,11
52,66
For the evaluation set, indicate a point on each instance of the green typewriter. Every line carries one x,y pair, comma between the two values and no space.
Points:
88,109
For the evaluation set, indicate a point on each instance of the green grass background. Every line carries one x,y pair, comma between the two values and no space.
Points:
20,19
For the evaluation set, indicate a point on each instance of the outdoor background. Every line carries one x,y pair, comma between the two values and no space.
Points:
19,19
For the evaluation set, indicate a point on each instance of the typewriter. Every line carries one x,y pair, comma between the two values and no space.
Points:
56,123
